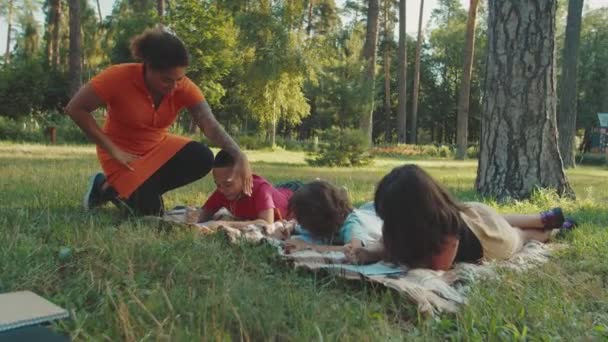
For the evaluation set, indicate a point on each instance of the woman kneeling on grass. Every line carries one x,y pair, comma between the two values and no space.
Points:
424,226
141,160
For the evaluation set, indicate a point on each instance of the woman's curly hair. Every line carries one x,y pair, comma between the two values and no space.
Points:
159,49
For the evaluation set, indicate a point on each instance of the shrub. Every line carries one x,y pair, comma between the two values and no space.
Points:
445,151
473,152
20,130
405,150
598,159
341,147
28,87
401,150
34,128
252,142
258,142
295,145
430,151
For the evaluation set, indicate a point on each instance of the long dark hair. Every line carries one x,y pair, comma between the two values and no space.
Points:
159,49
418,214
320,207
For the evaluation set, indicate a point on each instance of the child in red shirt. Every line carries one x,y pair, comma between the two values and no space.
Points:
265,205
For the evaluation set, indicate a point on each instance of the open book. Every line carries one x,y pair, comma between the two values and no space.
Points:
376,269
19,309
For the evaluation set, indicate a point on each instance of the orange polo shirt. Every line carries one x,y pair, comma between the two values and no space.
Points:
135,126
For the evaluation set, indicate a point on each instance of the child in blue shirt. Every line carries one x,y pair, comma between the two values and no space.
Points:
327,221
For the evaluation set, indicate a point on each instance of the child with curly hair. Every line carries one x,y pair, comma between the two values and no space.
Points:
327,220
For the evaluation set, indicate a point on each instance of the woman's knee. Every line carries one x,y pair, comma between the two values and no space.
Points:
201,158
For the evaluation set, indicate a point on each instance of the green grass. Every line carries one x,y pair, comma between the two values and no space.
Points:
127,281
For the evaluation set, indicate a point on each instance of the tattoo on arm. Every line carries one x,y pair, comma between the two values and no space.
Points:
203,116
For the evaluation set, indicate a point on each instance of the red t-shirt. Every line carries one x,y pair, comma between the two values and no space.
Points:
264,196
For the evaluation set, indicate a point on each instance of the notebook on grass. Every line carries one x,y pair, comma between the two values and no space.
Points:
23,308
376,269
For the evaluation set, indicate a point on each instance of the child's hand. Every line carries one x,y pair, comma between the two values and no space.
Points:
193,215
215,225
295,245
277,230
358,255
290,226
205,230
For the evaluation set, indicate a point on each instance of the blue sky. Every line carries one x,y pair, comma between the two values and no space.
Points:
411,20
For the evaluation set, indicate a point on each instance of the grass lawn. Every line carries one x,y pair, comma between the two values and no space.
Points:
125,281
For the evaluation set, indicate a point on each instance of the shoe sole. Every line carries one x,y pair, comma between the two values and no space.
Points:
87,195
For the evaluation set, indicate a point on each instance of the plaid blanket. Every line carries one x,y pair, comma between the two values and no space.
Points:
432,291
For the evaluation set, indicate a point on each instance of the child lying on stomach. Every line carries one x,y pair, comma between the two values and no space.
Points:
327,221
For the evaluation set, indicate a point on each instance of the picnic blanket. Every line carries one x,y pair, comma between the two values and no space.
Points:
432,291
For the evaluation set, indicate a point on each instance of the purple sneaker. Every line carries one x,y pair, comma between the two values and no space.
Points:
569,224
553,218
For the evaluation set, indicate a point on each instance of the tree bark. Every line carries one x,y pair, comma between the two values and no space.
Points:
75,47
413,132
518,150
160,8
566,119
274,124
462,118
9,21
56,23
309,27
387,72
49,35
369,76
99,12
401,77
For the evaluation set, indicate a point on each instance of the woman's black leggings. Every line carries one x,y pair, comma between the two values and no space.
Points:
189,164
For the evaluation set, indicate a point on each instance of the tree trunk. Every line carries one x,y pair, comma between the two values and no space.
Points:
413,133
160,8
401,77
566,119
64,42
462,118
518,150
9,20
387,95
369,76
99,12
387,72
274,124
56,23
311,4
48,35
75,47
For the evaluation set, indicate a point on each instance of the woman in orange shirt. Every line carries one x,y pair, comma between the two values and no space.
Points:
140,159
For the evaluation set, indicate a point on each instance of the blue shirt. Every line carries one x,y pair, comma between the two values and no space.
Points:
361,224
